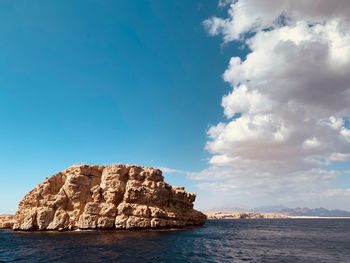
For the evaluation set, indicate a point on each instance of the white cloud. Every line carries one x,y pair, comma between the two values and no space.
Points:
292,93
242,100
311,143
334,157
168,170
255,15
346,134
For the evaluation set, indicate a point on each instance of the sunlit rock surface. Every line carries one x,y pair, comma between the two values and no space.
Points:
7,221
106,197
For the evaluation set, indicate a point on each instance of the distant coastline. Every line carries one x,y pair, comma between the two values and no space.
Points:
319,217
243,215
218,215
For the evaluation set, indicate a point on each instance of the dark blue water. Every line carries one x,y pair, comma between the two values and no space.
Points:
286,240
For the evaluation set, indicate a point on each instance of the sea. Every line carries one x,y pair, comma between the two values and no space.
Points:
246,240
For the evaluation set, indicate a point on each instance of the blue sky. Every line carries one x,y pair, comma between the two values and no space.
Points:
105,82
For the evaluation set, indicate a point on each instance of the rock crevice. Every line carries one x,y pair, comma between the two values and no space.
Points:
106,197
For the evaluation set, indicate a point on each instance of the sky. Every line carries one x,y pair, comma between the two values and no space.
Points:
245,103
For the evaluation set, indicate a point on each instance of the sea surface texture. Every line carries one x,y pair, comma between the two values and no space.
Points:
281,240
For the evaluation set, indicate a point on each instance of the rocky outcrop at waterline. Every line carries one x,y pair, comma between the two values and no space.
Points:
106,197
7,221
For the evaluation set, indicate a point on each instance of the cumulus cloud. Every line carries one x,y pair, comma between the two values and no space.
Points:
285,115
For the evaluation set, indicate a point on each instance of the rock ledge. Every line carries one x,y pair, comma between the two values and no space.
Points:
106,197
7,221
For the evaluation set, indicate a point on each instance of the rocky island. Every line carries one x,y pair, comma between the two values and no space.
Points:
105,197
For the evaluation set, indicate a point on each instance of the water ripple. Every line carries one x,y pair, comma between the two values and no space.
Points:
286,240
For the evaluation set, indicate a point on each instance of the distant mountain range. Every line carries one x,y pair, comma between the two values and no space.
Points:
298,211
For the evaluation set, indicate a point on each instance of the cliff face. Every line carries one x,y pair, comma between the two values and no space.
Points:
106,197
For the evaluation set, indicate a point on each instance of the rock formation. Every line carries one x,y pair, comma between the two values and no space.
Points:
7,221
106,197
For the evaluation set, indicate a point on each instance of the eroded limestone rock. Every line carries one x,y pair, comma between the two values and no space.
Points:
7,221
106,197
